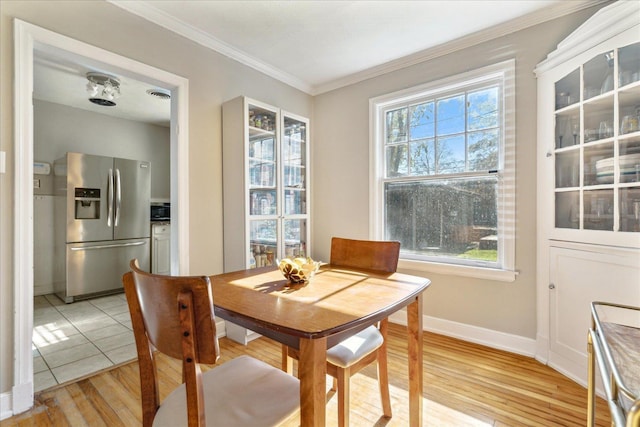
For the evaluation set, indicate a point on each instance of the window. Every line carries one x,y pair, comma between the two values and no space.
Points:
443,178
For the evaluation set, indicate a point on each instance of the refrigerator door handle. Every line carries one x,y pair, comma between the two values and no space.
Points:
118,198
120,245
110,198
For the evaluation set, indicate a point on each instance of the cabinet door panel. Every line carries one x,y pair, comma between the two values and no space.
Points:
580,277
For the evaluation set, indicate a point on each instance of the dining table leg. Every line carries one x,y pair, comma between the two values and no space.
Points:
414,322
312,371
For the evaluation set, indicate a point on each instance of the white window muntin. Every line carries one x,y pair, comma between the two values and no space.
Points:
502,73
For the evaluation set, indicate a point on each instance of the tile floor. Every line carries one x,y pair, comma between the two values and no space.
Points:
71,341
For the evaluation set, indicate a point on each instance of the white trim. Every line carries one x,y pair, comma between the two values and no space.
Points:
146,10
507,201
495,339
603,25
5,405
459,270
27,39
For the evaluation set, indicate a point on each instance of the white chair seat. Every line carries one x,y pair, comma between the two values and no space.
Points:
239,393
355,347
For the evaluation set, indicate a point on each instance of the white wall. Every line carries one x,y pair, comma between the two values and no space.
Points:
59,129
341,182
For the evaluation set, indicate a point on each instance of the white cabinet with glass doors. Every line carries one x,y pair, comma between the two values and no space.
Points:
265,184
588,181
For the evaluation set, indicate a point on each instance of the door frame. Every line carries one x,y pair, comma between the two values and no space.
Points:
29,38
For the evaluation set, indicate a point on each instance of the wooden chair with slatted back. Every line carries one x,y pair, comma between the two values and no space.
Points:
175,316
353,354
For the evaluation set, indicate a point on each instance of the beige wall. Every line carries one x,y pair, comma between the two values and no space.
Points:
341,155
213,79
340,148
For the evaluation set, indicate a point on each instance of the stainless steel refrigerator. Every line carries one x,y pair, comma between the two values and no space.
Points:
102,222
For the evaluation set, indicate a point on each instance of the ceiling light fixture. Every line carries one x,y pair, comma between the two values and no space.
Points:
103,89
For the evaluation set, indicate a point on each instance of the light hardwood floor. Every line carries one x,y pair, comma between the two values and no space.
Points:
464,385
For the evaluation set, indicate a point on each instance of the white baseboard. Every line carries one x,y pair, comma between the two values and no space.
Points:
490,338
6,409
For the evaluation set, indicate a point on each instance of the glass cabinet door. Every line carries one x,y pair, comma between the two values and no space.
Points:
294,185
597,143
263,194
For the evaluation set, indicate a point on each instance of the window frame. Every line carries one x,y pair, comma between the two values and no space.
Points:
504,71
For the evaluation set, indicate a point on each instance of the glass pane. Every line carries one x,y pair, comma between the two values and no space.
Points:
450,152
484,150
630,160
450,117
294,153
629,104
263,202
598,75
262,148
568,209
262,174
567,129
397,160
446,218
598,119
483,109
629,64
295,232
295,202
263,242
422,121
598,164
568,169
261,119
630,209
568,90
423,157
397,125
598,210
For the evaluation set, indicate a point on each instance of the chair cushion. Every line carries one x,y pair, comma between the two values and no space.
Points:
239,393
355,347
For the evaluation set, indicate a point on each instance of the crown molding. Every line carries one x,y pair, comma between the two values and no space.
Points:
603,25
547,14
146,10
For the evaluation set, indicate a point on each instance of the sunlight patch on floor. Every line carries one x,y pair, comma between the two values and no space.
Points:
48,334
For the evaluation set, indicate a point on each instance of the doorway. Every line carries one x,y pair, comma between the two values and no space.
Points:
31,40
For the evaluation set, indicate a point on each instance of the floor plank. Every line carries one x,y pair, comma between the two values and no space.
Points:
465,384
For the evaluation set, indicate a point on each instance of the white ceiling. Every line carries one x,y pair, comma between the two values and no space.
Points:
315,46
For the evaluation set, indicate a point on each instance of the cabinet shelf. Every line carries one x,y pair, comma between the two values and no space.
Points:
265,178
596,140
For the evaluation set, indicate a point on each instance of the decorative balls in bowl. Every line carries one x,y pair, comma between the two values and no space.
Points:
298,270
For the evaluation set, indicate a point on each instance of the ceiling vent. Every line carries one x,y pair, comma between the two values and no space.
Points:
159,93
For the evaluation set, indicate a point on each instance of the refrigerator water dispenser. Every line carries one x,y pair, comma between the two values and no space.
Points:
87,203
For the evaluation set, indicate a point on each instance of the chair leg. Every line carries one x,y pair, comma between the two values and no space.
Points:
287,362
343,378
383,380
334,387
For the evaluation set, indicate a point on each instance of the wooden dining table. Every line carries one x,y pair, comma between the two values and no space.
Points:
335,304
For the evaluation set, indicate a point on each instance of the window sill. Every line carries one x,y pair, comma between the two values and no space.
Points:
459,270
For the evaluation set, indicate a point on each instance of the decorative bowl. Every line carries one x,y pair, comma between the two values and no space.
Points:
298,270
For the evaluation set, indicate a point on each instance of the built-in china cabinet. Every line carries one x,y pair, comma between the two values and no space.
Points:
265,152
588,181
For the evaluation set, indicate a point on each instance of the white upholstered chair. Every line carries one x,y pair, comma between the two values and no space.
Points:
175,315
367,346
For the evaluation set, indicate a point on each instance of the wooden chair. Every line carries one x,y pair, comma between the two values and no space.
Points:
175,316
367,346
